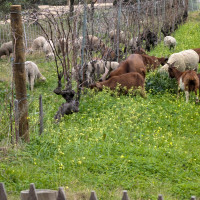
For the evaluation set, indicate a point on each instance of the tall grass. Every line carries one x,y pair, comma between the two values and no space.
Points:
146,146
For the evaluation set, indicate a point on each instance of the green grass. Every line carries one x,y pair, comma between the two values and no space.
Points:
146,146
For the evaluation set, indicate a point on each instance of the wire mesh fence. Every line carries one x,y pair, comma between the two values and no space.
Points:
85,33
194,5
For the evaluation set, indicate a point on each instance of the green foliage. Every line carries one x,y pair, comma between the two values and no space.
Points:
26,4
160,82
146,146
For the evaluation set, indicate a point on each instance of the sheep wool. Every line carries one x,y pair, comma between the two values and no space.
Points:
32,73
47,48
6,49
113,35
184,60
133,42
38,43
170,42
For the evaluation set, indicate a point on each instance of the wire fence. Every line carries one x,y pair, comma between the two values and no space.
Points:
194,5
31,31
34,194
89,32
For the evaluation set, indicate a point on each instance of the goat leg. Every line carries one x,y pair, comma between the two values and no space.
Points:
178,93
187,96
103,78
197,98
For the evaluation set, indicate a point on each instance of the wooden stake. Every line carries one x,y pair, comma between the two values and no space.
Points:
3,195
19,70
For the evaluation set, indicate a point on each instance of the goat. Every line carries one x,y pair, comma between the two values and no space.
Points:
110,55
188,81
134,63
197,50
152,62
97,67
150,38
132,80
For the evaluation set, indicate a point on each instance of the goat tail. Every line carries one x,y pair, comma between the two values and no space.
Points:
192,84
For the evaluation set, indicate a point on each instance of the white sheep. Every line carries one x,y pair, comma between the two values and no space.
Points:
133,42
113,35
184,60
6,49
92,43
32,73
47,48
98,67
170,42
38,44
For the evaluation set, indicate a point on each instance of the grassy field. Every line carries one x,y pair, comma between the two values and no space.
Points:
146,146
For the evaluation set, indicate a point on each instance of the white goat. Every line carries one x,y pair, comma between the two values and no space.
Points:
98,67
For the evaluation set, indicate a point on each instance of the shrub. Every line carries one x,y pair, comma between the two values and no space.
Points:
160,82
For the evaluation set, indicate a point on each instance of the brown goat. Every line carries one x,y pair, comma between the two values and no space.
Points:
198,52
152,62
132,80
134,63
199,82
188,81
110,55
139,51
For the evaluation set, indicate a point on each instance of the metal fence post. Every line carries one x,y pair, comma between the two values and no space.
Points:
41,114
84,32
16,103
119,10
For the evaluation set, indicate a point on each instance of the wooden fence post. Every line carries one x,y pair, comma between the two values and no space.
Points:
41,114
125,195
160,197
32,192
61,194
3,195
19,70
93,196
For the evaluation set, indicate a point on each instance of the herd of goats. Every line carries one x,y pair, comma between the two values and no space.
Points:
129,73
